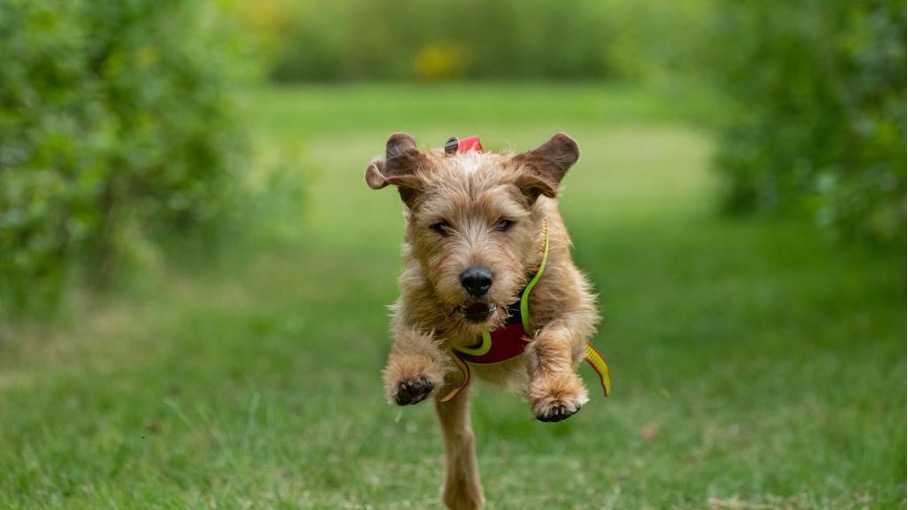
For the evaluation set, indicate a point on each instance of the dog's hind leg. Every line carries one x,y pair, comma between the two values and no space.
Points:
462,490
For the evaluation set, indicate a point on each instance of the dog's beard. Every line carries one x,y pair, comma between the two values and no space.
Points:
492,319
487,313
474,314
477,314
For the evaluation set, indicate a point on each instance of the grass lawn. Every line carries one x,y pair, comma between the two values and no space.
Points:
755,365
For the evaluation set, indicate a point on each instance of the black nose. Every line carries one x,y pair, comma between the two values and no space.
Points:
476,280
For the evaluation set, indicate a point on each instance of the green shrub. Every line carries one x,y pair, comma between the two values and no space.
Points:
311,40
115,121
819,124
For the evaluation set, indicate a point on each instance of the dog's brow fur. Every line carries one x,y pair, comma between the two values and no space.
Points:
455,205
469,162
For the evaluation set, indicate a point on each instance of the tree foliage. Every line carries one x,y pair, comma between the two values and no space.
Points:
819,119
115,120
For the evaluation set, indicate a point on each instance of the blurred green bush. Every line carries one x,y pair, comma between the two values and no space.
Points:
116,122
818,125
311,40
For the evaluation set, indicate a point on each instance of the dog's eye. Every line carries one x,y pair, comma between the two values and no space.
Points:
504,225
443,228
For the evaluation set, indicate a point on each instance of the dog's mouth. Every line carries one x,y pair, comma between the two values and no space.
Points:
477,312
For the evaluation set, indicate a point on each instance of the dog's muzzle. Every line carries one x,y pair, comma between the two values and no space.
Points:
477,312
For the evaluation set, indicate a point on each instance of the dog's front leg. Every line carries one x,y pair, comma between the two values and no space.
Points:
462,489
416,367
555,391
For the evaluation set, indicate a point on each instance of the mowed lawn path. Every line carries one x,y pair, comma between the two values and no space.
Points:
755,364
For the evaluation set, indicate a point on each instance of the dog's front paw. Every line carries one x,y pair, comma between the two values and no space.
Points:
410,378
413,391
556,412
557,398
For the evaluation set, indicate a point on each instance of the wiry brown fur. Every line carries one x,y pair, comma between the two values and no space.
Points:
472,193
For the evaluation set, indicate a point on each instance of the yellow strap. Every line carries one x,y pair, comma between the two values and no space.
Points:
597,361
465,370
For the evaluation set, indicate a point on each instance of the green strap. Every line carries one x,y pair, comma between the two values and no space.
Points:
483,348
525,298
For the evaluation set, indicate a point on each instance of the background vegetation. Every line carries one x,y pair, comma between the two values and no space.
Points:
472,39
117,120
818,126
757,363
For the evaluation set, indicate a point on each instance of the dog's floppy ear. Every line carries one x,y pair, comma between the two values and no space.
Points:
400,167
543,168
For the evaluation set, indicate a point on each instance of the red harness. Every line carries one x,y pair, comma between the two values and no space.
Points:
507,343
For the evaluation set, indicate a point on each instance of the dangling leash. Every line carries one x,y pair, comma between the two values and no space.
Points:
510,340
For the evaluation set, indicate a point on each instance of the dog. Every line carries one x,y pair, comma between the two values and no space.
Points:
488,288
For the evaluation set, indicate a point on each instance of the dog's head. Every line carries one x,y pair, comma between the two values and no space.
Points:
474,220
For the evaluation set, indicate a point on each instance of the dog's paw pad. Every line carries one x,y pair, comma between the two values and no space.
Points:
557,398
413,392
557,412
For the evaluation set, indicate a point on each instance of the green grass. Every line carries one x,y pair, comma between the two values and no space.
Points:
755,365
